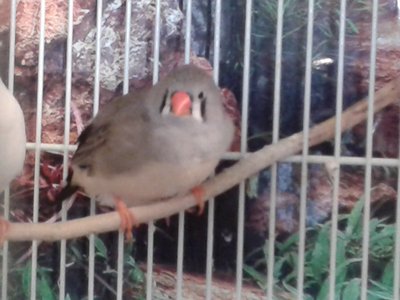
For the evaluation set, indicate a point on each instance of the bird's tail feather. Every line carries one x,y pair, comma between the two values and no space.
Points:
68,190
65,194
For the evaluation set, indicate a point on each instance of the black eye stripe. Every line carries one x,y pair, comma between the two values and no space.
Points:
203,108
164,101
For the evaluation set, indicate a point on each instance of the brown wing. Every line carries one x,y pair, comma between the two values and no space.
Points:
114,141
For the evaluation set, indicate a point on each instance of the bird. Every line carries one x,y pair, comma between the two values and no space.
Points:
152,144
12,143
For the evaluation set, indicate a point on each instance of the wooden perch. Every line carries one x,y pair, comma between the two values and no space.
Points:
246,167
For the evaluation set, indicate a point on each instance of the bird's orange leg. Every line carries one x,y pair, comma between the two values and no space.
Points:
198,194
127,219
4,225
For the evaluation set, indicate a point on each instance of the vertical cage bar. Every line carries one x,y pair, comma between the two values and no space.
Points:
96,96
150,259
338,139
67,125
188,30
120,262
11,69
120,265
304,164
368,154
11,57
127,46
179,267
275,138
4,282
210,244
38,140
217,40
396,277
243,147
181,226
211,204
156,41
96,100
151,227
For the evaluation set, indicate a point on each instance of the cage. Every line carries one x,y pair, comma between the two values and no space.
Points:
317,80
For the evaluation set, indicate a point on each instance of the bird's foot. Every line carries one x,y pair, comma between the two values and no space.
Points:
4,225
198,194
127,219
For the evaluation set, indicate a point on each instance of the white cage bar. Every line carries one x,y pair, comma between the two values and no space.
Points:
368,166
38,143
243,146
338,139
67,126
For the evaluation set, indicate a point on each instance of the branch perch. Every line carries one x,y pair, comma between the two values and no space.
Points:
246,167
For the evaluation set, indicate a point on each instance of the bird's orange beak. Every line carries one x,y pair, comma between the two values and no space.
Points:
181,104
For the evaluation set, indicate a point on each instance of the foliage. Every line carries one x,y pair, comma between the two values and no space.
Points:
295,16
105,274
295,22
348,259
325,44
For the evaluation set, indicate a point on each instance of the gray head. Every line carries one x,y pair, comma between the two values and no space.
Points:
189,92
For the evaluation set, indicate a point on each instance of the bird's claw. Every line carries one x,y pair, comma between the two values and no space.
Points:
127,219
198,194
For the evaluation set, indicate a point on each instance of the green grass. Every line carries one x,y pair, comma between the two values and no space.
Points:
348,260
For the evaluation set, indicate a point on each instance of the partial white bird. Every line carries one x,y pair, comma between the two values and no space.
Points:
12,142
12,137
